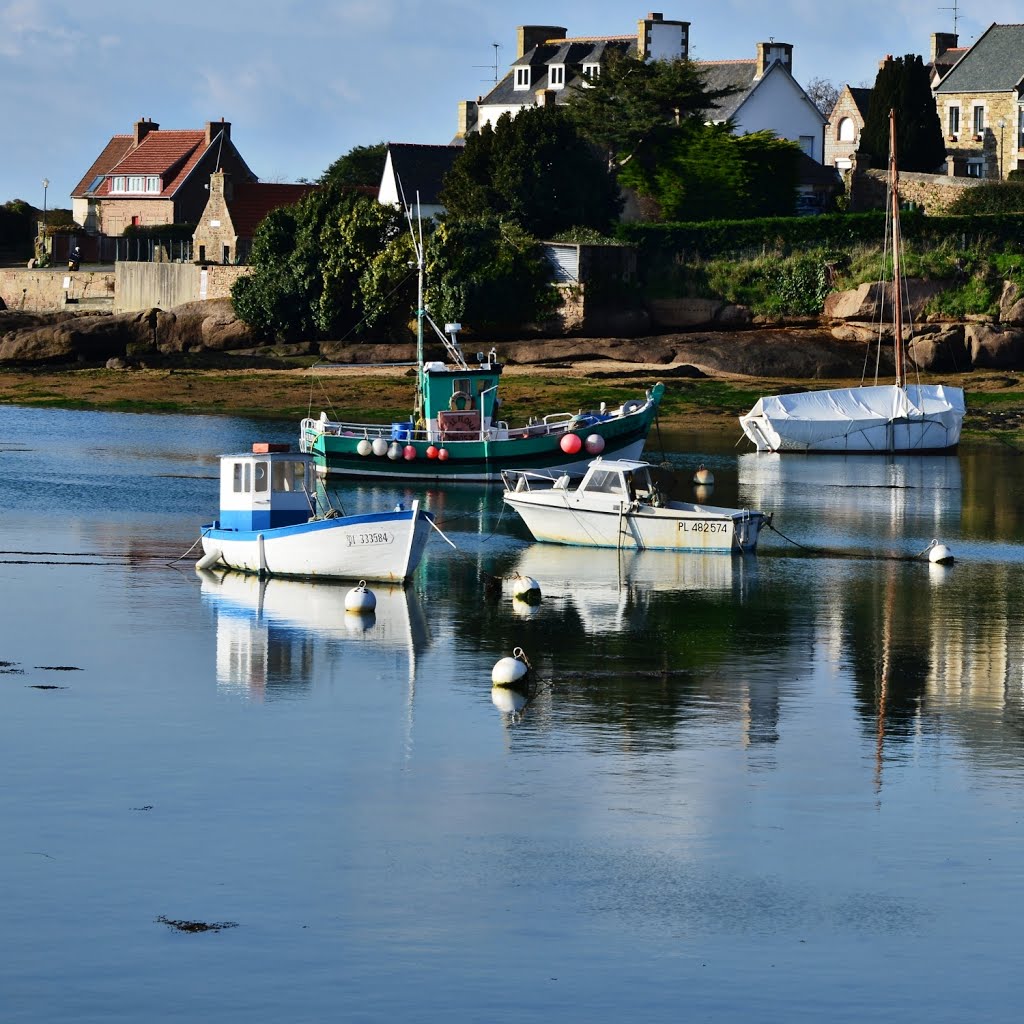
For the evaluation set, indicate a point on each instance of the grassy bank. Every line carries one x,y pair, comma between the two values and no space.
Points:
995,400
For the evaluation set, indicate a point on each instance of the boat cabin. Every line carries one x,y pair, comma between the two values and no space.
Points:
618,478
269,487
460,404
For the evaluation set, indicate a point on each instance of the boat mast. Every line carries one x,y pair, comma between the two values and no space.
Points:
897,291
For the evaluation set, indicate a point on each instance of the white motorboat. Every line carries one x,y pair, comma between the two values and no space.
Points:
272,523
916,418
617,504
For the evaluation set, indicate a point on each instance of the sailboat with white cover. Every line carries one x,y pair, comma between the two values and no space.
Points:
898,417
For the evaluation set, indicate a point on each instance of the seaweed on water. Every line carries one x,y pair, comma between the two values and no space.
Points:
196,926
59,668
45,686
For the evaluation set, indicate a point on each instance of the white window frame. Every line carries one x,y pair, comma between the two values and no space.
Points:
976,168
953,120
978,119
807,144
152,183
556,75
591,72
846,130
117,183
523,77
1020,127
136,183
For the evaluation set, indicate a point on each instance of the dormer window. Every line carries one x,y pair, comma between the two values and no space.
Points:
556,75
523,78
152,183
592,71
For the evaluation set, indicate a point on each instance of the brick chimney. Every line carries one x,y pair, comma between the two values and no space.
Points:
468,116
143,127
214,128
941,42
772,52
529,36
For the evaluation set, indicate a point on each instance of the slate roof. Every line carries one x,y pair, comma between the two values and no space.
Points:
862,99
251,201
422,167
728,74
945,60
995,63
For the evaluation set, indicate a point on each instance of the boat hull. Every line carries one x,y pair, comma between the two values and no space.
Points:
676,527
478,461
919,419
385,546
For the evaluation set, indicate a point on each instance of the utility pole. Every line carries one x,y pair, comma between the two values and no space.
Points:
46,185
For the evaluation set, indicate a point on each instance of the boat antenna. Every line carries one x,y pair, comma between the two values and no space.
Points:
897,294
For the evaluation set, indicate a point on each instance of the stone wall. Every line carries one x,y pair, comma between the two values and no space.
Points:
934,193
46,291
130,287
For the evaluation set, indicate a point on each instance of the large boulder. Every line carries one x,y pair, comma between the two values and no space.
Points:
1011,304
940,351
994,347
199,326
873,302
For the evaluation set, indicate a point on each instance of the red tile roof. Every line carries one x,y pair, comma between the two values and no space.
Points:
251,201
114,150
169,154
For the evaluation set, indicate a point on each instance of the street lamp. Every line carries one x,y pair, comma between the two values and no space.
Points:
46,185
1002,127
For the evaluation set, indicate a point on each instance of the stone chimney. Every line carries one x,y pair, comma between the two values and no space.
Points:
468,117
771,52
220,186
658,39
941,42
214,128
529,36
143,127
546,97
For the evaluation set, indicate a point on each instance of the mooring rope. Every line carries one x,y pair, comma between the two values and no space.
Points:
857,555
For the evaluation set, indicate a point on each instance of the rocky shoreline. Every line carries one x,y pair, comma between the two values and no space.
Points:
831,347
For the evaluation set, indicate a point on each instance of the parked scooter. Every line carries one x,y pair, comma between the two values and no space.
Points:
75,259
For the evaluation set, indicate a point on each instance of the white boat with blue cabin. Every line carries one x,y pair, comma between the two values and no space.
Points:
272,523
617,504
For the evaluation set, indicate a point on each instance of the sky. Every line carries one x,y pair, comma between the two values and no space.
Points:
304,81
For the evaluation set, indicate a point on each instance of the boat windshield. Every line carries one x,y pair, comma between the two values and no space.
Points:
604,481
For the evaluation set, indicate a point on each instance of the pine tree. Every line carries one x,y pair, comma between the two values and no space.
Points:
902,85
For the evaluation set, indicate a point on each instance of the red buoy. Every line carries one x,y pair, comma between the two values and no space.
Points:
409,453
442,454
570,444
432,452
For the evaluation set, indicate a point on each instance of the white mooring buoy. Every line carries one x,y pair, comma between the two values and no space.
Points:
939,554
360,600
703,477
510,671
525,588
209,560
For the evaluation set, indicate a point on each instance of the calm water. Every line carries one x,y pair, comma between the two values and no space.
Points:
780,788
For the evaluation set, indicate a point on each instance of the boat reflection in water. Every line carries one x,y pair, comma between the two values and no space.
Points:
277,635
608,587
905,497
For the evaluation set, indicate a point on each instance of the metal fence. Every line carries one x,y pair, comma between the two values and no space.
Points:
145,250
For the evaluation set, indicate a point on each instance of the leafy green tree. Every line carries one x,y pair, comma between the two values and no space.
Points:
489,272
361,165
636,107
707,173
535,169
16,227
902,86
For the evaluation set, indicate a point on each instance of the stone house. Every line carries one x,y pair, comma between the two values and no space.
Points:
233,212
981,105
845,123
154,177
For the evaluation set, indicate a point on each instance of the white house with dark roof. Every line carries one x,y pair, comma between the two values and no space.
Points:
414,172
549,63
980,102
767,97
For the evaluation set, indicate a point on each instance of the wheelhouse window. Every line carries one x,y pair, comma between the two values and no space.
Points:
261,478
288,476
242,478
954,120
604,481
979,120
